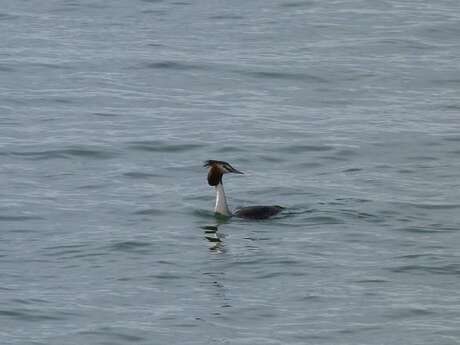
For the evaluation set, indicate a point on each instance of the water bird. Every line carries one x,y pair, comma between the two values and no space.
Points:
217,169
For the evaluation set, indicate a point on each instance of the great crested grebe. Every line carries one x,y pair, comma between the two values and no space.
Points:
216,169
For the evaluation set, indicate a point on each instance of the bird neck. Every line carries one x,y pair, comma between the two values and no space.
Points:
221,201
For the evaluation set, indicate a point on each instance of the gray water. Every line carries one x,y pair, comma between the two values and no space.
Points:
344,112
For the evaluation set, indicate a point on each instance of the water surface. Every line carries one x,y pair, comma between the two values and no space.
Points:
344,112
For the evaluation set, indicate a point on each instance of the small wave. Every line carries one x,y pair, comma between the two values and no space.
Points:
117,335
29,315
131,246
105,114
450,269
429,229
157,146
300,76
429,206
140,175
7,16
352,170
316,220
371,281
19,218
297,4
306,148
225,16
6,68
454,138
402,313
227,149
175,65
149,211
96,153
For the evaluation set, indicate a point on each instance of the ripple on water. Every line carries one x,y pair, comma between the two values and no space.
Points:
114,335
84,152
141,175
149,211
19,218
32,315
289,76
299,148
449,269
131,246
175,66
159,146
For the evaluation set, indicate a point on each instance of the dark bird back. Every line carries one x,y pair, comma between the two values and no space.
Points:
258,212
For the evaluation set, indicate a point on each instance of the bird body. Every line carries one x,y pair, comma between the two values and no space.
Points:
216,170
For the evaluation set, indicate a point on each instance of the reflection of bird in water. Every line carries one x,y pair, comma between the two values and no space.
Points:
216,169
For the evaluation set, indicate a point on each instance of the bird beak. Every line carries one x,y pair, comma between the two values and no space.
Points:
236,171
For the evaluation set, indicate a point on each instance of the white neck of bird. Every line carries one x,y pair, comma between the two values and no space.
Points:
221,201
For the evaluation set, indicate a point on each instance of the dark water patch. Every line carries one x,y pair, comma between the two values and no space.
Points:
431,206
181,3
113,335
404,44
454,138
91,186
450,269
149,212
346,152
288,76
350,170
66,246
106,114
30,315
334,158
446,82
406,171
455,152
6,68
275,159
297,4
19,218
166,276
403,313
309,165
175,66
229,149
29,301
152,1
159,146
95,153
428,229
226,16
452,107
65,250
320,220
7,16
299,148
160,13
141,175
422,158
371,281
62,100
155,45
361,215
53,66
415,256
131,246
